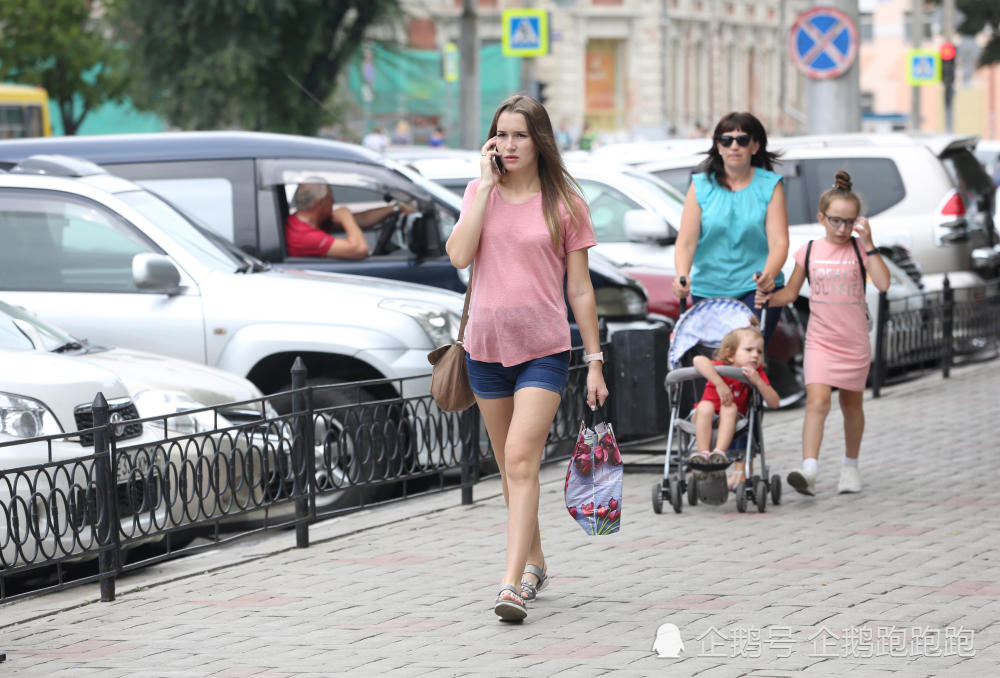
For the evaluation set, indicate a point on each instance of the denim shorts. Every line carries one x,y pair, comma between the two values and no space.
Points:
493,380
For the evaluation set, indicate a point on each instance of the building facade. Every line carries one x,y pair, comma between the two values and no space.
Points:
647,68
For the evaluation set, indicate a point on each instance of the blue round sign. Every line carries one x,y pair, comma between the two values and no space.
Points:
823,43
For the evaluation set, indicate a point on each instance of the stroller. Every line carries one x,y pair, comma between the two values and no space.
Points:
699,331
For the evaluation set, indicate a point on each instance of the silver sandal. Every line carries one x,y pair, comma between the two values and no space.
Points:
510,610
530,591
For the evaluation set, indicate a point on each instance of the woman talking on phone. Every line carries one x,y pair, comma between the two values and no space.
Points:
525,228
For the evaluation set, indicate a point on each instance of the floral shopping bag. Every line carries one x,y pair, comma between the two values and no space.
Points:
594,480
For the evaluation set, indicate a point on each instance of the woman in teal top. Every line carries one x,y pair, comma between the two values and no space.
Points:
734,224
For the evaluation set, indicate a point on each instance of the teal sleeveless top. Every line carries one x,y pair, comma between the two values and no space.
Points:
733,241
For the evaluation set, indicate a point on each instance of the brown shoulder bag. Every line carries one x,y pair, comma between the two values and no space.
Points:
450,375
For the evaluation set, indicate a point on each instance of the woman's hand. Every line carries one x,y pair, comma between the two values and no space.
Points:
764,281
682,286
864,231
761,298
487,166
597,391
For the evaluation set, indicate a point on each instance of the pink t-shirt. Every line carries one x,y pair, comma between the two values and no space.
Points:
837,308
518,311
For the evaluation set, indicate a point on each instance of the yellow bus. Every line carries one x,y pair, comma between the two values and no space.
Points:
24,111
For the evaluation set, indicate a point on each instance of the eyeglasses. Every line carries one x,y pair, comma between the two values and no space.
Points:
837,222
727,140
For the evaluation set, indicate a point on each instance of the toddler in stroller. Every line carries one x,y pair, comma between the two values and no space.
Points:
731,402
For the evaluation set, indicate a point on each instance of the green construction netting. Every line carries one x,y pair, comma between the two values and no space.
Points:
407,84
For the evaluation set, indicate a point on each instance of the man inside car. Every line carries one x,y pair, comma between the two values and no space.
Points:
308,231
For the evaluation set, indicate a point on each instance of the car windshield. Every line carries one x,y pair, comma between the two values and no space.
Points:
208,251
20,330
439,192
659,193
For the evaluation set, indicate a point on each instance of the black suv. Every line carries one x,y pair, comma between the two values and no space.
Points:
239,185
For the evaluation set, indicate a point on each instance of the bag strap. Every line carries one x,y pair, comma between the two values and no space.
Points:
465,309
857,253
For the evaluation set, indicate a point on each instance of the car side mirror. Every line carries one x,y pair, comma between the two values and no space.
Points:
644,225
156,273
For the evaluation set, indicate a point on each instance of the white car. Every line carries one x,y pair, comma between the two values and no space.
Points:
924,193
48,382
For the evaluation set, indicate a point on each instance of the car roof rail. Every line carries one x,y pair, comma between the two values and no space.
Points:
57,166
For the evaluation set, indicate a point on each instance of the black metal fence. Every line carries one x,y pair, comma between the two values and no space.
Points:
179,490
935,330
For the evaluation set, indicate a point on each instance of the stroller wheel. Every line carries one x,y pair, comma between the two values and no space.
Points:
775,489
657,498
675,494
693,491
760,495
741,497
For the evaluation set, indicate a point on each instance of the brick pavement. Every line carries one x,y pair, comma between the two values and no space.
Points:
901,580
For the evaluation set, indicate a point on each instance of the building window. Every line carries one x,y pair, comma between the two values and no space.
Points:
925,33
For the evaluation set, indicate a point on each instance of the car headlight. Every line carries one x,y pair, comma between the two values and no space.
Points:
24,417
619,302
439,324
174,405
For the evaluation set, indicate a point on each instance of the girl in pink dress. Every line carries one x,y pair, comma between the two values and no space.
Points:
837,352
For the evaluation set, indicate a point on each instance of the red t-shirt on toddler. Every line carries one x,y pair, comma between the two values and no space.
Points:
305,240
741,391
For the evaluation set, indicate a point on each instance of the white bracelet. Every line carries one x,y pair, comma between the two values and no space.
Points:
591,357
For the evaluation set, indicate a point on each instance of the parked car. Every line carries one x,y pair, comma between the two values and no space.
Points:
48,383
107,259
239,184
926,195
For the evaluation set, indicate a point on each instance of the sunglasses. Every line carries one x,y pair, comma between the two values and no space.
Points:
727,140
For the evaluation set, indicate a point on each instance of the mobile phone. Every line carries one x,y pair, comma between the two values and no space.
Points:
499,163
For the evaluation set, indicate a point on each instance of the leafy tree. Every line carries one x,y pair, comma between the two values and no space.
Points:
980,15
61,46
252,64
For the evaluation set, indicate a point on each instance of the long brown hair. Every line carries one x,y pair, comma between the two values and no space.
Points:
558,187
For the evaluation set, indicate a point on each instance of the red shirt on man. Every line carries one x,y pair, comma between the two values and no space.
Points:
305,240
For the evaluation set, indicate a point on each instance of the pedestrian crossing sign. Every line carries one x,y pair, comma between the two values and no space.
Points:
923,67
525,32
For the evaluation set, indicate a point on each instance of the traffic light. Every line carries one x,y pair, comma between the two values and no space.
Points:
947,54
541,96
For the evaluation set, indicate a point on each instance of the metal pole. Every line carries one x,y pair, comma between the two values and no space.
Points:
107,504
878,368
948,29
301,463
916,35
469,77
834,104
947,327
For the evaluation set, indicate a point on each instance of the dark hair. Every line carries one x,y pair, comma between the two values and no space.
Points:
557,184
713,164
842,190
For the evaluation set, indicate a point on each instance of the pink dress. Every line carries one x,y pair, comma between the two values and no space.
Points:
837,352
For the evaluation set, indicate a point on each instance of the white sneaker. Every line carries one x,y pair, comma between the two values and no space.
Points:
850,480
804,482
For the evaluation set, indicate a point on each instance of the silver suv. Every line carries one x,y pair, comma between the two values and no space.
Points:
104,258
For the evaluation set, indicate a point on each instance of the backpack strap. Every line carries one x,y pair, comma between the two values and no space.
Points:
864,273
809,247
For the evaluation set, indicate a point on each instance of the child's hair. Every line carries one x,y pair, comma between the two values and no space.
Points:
731,342
841,191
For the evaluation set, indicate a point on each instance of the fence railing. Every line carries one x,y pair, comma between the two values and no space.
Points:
935,330
332,451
